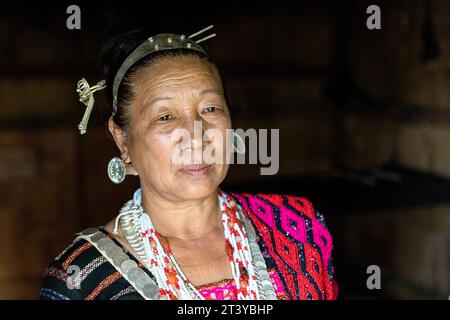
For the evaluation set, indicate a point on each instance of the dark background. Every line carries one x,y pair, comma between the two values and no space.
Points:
364,119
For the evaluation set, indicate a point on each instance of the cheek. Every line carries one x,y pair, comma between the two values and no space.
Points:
220,123
223,127
155,153
218,135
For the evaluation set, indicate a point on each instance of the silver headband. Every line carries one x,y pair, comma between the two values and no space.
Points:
159,42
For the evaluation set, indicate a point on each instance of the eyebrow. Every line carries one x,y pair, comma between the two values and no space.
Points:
152,101
205,91
211,90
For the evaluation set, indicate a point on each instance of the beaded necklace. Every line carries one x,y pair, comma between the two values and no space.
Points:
246,261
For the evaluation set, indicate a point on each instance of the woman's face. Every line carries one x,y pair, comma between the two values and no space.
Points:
169,96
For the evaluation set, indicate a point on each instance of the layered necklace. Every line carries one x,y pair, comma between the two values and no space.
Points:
247,263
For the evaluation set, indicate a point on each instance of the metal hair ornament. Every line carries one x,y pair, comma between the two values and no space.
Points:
87,98
159,42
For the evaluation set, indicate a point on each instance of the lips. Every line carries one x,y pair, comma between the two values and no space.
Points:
196,169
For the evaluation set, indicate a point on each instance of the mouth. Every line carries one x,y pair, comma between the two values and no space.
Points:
196,169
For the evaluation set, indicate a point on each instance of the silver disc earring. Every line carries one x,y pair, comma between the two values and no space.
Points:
238,143
116,170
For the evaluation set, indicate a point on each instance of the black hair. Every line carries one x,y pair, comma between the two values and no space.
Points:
120,41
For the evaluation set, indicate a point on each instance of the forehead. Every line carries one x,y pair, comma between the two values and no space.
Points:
175,73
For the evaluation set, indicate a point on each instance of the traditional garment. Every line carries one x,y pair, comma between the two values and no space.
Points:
293,238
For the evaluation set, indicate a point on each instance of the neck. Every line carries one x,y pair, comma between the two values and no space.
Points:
182,219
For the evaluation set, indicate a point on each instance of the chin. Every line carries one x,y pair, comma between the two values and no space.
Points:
197,188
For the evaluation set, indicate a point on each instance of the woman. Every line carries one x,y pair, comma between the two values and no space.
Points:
181,236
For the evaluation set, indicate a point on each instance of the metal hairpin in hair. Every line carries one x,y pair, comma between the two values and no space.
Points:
86,94
200,32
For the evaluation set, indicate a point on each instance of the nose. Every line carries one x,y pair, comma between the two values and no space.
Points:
197,128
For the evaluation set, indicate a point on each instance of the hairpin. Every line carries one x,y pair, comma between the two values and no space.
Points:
200,32
86,94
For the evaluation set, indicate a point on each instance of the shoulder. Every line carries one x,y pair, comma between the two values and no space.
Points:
81,272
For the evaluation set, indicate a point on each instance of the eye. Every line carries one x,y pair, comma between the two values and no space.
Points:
165,117
209,109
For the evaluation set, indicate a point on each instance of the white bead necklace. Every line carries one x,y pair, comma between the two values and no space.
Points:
172,282
178,284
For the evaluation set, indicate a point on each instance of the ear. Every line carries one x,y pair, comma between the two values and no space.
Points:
120,137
